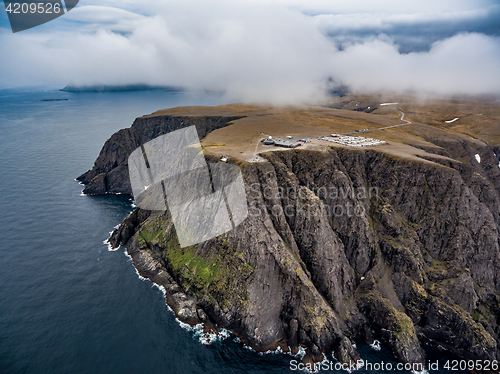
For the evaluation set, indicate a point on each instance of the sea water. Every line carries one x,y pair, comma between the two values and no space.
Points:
67,303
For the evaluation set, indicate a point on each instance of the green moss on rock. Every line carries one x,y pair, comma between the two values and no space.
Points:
214,271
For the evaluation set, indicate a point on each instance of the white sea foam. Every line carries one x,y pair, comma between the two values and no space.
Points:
140,276
136,271
205,338
127,255
161,288
110,247
424,371
276,351
300,354
82,194
478,158
453,120
188,327
376,345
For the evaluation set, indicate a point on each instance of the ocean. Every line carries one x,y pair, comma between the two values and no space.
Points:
67,303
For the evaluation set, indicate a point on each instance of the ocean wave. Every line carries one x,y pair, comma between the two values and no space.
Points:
110,247
301,353
420,372
376,345
278,350
127,255
162,289
140,276
135,269
205,338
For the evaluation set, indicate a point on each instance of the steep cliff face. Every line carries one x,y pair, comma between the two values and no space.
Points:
337,244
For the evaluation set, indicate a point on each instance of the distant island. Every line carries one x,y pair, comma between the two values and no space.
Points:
130,87
417,263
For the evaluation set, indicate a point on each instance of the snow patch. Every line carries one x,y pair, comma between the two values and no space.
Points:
478,158
453,120
384,104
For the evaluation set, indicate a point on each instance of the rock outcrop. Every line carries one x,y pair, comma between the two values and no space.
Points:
336,245
110,171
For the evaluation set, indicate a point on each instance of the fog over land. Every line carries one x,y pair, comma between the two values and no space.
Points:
282,51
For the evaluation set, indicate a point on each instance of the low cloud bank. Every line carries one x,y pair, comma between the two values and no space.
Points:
251,51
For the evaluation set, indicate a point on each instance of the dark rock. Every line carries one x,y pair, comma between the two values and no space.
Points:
97,186
112,164
293,336
345,352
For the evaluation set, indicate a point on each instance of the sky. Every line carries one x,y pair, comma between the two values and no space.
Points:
276,51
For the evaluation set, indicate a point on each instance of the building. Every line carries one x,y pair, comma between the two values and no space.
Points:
281,143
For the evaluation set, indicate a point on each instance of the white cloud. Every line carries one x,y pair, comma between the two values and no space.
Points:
355,21
466,64
252,50
102,14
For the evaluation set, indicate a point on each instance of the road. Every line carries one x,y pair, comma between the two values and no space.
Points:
382,128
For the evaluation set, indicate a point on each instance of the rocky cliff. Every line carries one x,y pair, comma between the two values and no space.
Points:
337,245
110,171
